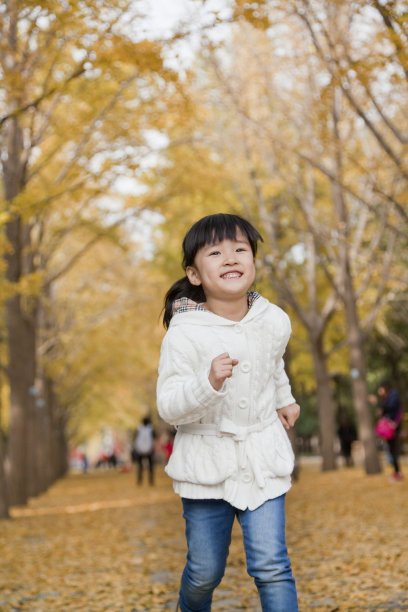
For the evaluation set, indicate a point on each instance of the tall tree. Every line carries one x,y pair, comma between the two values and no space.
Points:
288,152
4,504
346,276
77,94
363,47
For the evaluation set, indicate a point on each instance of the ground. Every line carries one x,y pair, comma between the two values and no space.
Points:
99,542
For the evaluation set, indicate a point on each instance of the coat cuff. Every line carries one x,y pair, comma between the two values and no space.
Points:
204,393
284,398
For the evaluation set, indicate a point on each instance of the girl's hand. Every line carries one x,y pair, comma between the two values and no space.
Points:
288,415
221,368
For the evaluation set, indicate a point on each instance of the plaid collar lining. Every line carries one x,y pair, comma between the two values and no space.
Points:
185,304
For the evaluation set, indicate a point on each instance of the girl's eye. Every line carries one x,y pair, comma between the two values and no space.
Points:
241,249
214,253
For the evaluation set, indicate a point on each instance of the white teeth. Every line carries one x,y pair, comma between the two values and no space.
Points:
232,275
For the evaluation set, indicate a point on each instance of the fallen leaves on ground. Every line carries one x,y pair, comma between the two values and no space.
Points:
99,542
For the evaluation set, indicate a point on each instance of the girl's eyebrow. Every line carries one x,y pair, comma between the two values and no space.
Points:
214,244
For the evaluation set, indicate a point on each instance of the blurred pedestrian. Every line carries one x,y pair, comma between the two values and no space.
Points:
390,409
347,434
85,463
143,450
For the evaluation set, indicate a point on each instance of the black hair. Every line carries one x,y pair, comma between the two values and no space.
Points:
213,228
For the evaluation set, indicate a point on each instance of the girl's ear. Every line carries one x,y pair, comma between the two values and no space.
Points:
193,276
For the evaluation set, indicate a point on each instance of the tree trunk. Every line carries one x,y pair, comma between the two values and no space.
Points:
353,329
58,439
4,501
20,330
33,439
316,324
359,384
21,371
326,407
40,436
51,471
41,452
357,361
4,506
62,451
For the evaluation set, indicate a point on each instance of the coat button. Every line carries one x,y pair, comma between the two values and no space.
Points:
246,477
245,366
239,328
243,403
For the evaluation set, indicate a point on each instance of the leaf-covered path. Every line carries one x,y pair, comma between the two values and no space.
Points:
98,542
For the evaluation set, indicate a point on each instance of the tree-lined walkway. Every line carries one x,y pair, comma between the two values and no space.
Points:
97,542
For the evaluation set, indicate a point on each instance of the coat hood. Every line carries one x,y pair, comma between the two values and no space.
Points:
194,314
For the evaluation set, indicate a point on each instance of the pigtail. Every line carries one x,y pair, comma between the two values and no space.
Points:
181,288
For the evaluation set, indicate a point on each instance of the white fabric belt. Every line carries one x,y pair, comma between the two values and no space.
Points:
227,428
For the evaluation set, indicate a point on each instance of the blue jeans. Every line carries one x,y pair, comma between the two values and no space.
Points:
208,532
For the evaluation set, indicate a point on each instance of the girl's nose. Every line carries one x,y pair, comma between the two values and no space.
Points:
230,258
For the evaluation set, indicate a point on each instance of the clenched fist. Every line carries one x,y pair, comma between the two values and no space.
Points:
221,368
289,415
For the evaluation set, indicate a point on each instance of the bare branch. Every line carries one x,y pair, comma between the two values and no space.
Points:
396,39
403,138
381,298
338,75
91,128
371,263
47,94
379,137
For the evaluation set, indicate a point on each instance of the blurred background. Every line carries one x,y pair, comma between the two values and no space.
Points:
123,122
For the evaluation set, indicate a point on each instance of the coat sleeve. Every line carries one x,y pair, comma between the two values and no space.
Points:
184,393
284,395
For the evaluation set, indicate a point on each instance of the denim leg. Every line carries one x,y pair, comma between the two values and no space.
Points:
267,558
208,533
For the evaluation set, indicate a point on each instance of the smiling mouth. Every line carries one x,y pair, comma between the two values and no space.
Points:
229,275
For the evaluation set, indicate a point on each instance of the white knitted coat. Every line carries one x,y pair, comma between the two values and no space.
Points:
229,444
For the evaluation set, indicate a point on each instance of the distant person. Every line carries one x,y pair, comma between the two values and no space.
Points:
347,434
222,383
85,463
390,407
143,450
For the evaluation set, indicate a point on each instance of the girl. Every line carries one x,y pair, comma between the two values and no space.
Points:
222,384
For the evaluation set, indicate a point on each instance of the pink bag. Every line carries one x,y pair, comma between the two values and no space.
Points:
385,428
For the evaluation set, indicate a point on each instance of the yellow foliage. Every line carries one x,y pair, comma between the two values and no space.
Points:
108,337
30,284
83,107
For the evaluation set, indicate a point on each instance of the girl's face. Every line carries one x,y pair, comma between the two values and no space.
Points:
225,269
